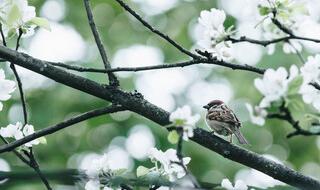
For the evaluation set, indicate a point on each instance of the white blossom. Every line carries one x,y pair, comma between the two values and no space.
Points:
92,185
213,21
239,185
167,160
6,88
17,14
274,84
292,47
290,13
214,34
183,117
28,130
257,115
310,95
17,132
222,50
99,165
12,131
310,72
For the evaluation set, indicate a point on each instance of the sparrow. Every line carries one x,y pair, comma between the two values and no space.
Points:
223,121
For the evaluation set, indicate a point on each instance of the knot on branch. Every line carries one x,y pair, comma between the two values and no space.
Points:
136,94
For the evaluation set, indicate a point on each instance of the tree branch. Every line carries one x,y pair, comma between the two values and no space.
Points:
152,29
286,115
21,92
72,175
32,160
165,66
112,78
62,125
141,106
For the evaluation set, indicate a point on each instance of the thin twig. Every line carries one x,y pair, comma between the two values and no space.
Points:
258,42
112,78
78,68
21,92
180,157
25,115
2,36
273,41
165,66
297,53
35,166
59,126
20,156
32,159
285,115
152,29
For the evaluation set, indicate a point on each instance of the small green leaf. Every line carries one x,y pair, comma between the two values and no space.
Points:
179,122
42,140
294,85
41,22
141,171
295,103
173,137
264,10
11,33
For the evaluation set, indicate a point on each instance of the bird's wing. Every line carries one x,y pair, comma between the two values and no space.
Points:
224,115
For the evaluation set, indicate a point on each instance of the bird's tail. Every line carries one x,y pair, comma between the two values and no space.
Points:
240,137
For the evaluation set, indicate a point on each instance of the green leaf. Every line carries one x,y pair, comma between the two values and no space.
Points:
141,171
173,137
11,33
295,103
294,85
264,10
179,122
41,22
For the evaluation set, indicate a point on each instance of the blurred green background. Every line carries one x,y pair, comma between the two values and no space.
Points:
128,43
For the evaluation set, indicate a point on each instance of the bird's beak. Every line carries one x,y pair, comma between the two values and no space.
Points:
206,107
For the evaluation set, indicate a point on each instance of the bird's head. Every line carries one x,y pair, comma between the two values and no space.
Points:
213,104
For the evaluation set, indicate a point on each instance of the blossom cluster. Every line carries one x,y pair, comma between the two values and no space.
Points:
239,185
6,88
215,34
278,85
169,163
18,131
17,15
182,117
99,167
289,13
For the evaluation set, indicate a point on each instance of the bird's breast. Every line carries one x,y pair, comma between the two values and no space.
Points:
219,127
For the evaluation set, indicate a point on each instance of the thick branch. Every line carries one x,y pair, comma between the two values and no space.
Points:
141,106
113,79
62,125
